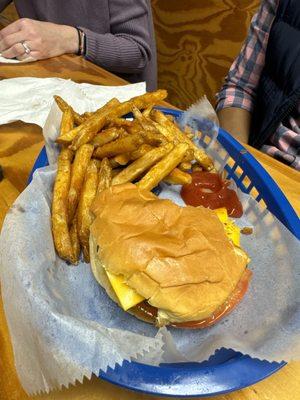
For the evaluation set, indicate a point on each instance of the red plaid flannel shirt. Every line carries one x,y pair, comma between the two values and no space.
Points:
241,82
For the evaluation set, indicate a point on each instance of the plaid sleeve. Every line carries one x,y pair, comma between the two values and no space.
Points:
240,85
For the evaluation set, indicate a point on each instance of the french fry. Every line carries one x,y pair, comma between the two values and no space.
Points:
67,121
123,159
154,138
105,175
84,216
185,166
163,167
113,163
116,171
141,165
119,146
105,136
134,127
196,167
59,217
81,161
94,124
86,115
119,122
146,123
143,149
97,115
63,105
168,128
147,111
75,239
178,177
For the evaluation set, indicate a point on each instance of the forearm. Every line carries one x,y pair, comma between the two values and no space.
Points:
115,53
4,3
236,121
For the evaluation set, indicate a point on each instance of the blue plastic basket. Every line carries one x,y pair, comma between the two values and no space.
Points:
227,370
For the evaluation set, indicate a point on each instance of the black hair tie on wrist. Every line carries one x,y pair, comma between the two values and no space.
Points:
81,44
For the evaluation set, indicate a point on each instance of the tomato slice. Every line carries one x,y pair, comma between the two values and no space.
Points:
224,309
149,313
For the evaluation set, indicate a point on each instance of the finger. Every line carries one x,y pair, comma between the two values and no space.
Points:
16,50
8,41
11,28
26,57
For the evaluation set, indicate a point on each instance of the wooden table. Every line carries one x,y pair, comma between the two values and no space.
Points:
19,146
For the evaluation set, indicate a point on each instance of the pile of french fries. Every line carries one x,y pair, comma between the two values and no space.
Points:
103,148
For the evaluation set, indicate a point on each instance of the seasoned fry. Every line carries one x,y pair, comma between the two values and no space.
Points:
143,149
134,127
97,115
75,239
123,159
196,167
163,167
63,105
105,175
94,124
81,161
146,123
154,138
119,146
116,171
174,134
86,115
84,217
119,122
142,164
105,136
147,111
185,166
113,163
59,218
67,121
178,177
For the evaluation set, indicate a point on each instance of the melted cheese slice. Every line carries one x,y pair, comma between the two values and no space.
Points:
129,298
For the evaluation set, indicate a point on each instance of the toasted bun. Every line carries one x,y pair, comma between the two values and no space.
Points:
178,258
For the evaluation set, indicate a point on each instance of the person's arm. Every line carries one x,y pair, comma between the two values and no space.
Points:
236,121
126,49
4,4
237,96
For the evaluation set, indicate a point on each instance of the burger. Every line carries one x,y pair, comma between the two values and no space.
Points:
165,264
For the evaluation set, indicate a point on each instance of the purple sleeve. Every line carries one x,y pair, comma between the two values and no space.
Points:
126,49
4,3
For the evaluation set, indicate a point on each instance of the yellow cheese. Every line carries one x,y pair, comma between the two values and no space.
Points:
222,214
232,231
127,296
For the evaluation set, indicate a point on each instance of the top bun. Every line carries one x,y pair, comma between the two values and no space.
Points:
178,258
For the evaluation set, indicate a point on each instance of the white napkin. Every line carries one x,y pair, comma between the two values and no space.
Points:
30,99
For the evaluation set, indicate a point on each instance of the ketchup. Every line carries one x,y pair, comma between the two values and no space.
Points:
209,190
149,313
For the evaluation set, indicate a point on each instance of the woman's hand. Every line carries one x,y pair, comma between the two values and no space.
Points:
43,39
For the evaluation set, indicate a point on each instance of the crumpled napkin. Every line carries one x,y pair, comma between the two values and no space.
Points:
30,99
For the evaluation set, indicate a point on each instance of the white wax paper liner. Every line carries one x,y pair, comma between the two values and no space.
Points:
64,326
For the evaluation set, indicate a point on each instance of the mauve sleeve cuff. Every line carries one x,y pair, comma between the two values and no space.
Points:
234,97
117,54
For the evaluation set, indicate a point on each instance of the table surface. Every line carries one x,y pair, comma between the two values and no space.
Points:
19,146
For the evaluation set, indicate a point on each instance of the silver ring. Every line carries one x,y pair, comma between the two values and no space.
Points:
26,47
